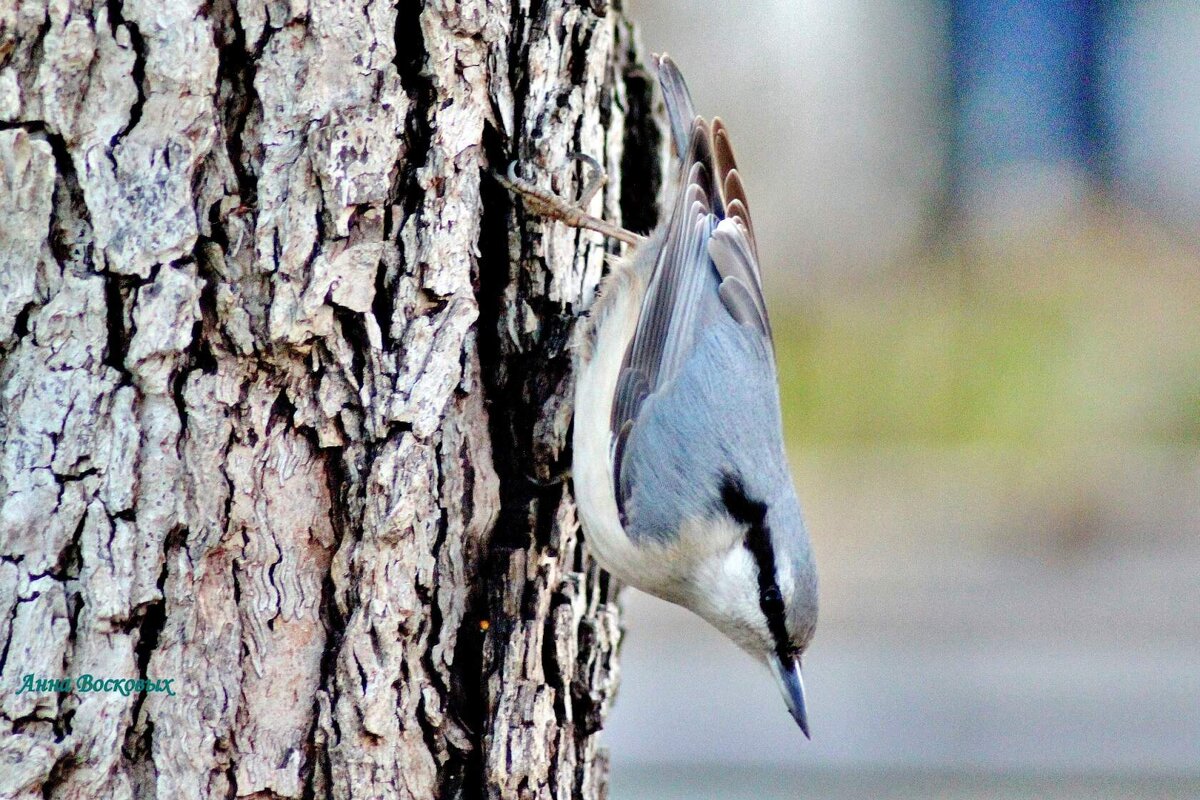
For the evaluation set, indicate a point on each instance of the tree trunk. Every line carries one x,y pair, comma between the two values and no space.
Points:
285,391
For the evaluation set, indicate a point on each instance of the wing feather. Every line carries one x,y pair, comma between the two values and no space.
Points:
678,99
732,254
709,245
730,180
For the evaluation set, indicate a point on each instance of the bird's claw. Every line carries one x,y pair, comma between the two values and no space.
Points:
547,204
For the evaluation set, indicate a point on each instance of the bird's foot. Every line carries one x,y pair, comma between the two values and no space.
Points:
547,204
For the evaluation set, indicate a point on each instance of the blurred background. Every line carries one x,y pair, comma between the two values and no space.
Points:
980,233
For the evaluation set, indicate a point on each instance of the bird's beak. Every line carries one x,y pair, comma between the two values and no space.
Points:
791,683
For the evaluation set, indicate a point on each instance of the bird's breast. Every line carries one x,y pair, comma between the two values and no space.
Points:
600,353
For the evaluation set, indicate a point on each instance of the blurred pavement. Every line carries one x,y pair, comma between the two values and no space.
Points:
952,655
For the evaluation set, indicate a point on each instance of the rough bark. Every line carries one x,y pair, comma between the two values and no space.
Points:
284,395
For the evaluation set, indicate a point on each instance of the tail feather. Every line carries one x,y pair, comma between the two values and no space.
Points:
730,180
680,110
708,168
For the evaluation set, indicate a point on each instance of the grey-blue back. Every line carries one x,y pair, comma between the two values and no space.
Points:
718,419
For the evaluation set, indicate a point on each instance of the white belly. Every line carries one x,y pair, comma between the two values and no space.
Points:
598,364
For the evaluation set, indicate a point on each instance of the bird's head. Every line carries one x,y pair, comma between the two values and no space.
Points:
760,588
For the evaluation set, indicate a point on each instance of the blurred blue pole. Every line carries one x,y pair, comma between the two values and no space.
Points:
1026,88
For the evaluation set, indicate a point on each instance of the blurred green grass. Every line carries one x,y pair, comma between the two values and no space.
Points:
936,372
1062,339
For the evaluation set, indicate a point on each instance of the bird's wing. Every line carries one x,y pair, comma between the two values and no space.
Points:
709,247
678,99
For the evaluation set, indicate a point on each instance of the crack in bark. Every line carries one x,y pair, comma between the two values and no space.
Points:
139,735
116,19
116,289
641,167
8,640
411,55
237,68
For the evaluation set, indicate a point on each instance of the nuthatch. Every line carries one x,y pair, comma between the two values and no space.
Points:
681,478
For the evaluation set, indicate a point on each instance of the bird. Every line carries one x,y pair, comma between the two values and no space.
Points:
681,478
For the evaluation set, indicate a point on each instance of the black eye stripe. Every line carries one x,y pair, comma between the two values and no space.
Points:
758,542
